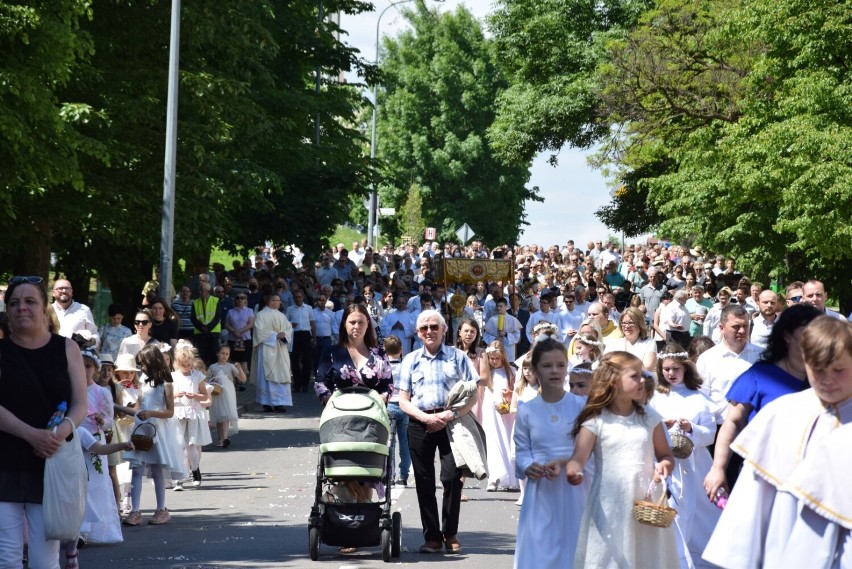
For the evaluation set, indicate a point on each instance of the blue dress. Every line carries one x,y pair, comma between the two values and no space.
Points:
762,383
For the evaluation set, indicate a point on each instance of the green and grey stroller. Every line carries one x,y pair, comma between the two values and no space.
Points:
354,462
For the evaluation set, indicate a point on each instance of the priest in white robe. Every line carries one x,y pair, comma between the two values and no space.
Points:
270,361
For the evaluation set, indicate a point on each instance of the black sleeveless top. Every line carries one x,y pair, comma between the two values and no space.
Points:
32,384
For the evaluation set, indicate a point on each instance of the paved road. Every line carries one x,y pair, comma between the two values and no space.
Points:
252,509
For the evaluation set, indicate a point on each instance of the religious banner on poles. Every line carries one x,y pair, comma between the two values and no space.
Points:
469,271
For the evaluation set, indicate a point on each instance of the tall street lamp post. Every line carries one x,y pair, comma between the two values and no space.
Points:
372,218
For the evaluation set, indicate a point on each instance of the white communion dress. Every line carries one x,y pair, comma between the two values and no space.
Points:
551,511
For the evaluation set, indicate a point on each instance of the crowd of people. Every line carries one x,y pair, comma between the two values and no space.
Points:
585,371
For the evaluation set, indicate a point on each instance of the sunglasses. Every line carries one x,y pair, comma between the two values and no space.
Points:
141,322
427,327
29,280
796,299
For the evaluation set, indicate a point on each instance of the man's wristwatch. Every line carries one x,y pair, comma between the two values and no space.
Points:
455,414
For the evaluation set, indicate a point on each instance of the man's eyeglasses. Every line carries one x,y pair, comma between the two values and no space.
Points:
29,280
141,322
62,288
426,327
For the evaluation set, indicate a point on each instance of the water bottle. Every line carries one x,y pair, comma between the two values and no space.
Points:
57,416
721,499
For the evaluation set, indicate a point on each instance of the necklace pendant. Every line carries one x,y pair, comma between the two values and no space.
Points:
554,418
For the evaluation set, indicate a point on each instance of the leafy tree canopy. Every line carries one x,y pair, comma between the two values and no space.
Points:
247,166
552,48
749,104
440,82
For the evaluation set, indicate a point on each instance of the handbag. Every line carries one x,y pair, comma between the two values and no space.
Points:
239,345
141,440
64,499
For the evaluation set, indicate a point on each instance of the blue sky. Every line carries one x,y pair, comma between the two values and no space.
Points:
572,191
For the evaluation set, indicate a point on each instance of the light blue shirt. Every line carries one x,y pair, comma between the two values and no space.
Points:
429,379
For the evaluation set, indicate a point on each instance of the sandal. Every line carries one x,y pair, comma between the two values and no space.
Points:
463,498
72,561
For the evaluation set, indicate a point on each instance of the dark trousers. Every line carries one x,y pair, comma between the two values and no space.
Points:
422,446
679,337
301,360
321,349
207,346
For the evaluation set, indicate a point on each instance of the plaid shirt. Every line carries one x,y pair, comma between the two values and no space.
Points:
429,379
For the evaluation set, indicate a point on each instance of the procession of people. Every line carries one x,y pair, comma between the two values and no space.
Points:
587,370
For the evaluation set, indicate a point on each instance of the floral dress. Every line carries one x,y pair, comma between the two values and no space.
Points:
338,371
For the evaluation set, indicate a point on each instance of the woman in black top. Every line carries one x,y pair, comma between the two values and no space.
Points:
166,324
38,371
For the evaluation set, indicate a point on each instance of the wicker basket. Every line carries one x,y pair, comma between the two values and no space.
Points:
654,513
681,444
140,439
215,388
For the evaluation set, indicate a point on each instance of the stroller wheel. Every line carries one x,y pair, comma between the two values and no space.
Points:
386,545
396,543
313,543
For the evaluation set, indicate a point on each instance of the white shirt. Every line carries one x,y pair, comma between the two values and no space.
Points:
76,318
719,367
537,317
300,317
399,323
675,313
760,330
570,320
323,319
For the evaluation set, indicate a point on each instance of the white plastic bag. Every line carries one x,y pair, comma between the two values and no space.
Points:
64,501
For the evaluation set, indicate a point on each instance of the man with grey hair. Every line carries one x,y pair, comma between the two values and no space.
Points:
652,292
675,319
426,377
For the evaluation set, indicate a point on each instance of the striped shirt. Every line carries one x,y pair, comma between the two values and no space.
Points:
429,379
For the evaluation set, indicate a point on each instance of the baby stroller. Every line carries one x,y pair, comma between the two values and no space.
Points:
354,436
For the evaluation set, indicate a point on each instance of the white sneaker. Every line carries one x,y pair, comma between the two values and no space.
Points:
178,487
492,486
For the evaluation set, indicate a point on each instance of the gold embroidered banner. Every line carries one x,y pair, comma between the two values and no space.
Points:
470,271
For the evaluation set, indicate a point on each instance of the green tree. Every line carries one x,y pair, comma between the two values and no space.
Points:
411,215
759,143
247,168
440,82
41,44
552,49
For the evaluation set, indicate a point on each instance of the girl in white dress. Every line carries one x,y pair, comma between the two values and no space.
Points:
191,399
497,420
551,510
626,439
223,410
687,410
156,406
587,345
526,389
101,517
